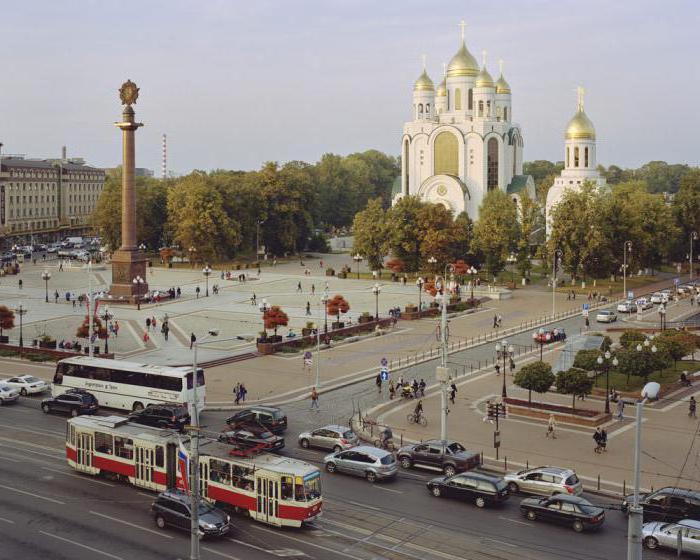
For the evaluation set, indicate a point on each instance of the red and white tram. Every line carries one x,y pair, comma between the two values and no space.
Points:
277,490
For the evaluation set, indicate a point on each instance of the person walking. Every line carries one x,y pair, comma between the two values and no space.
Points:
313,289
512,366
551,426
153,323
166,330
603,440
244,392
392,390
495,321
299,290
148,323
253,299
378,382
500,321
197,290
55,296
237,393
498,369
145,337
308,308
116,329
421,387
597,437
193,339
20,283
692,406
453,392
620,409
314,399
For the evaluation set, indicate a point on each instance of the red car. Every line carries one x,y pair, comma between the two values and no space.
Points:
550,335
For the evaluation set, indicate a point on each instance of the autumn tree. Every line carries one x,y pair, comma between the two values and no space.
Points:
370,234
97,329
274,317
497,230
7,318
337,305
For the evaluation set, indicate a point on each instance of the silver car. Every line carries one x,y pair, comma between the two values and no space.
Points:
8,394
332,437
365,461
660,534
545,481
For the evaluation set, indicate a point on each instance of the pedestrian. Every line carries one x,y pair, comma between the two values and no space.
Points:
253,299
308,308
588,323
597,437
603,440
551,426
313,289
145,336
60,265
148,323
193,339
378,382
166,330
244,392
512,366
178,291
495,321
692,406
299,287
20,283
421,387
392,390
500,320
453,392
258,271
116,329
55,296
314,399
197,290
153,323
620,409
498,369
237,393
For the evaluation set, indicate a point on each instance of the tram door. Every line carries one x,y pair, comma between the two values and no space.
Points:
268,500
84,446
145,458
204,478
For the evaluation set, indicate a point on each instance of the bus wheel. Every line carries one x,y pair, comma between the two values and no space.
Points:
137,406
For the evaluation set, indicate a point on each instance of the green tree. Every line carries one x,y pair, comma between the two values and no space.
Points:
461,239
686,209
662,177
574,382
531,220
676,344
497,230
630,338
370,232
107,216
586,359
435,228
404,237
535,376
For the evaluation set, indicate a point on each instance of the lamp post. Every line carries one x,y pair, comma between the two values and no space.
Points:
432,261
646,345
325,311
504,350
693,237
604,363
193,251
258,223
420,283
472,272
106,316
442,373
322,301
662,317
538,337
143,247
46,276
21,311
512,259
138,282
376,289
627,249
556,262
358,259
207,272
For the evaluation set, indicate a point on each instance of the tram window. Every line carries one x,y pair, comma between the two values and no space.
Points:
123,448
220,471
299,492
72,435
287,486
160,456
104,443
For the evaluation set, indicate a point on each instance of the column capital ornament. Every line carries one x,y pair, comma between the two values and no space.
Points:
128,93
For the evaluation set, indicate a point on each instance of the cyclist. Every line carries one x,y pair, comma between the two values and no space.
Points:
418,411
385,437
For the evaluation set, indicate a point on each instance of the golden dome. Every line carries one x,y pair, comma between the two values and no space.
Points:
502,86
442,88
462,64
580,127
424,83
484,79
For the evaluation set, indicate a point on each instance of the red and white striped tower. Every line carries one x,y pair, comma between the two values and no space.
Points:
165,158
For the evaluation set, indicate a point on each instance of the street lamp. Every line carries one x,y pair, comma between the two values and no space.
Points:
432,261
46,276
143,247
258,223
662,317
21,311
375,290
646,345
627,249
512,259
106,316
420,283
472,272
192,250
358,259
504,350
207,272
138,282
605,366
693,237
556,263
538,337
324,300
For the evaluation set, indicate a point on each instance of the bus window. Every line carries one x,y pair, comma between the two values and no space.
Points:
200,378
104,443
299,491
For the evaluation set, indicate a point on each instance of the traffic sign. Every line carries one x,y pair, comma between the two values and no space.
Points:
630,295
586,306
497,439
384,362
676,281
384,374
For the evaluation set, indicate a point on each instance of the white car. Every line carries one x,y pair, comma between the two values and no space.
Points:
659,534
627,307
644,303
659,297
27,384
606,316
8,394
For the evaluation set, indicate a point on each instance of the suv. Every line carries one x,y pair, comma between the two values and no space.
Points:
447,456
369,462
667,504
272,418
74,402
332,437
162,416
173,508
545,481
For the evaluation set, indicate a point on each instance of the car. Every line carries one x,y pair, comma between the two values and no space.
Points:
667,504
52,248
606,316
269,416
684,289
253,435
369,462
74,404
545,336
8,394
332,437
171,416
564,509
27,384
172,509
472,487
627,307
659,297
545,481
447,456
644,304
660,534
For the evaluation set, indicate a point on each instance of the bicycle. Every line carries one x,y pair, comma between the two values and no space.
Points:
389,445
420,419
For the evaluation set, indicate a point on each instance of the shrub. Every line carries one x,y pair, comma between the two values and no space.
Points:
586,359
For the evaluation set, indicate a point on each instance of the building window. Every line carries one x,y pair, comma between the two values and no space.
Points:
458,99
405,165
470,99
448,99
446,154
488,108
576,156
568,161
505,113
481,108
420,110
427,110
492,164
585,156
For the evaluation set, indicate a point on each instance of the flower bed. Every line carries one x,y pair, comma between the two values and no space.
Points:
562,414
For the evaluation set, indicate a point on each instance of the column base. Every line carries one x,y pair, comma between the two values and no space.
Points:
127,265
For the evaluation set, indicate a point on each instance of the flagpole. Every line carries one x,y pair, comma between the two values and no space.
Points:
89,269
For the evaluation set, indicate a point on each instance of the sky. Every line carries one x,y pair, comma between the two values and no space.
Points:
234,84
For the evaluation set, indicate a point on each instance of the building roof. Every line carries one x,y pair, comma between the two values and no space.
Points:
20,162
518,183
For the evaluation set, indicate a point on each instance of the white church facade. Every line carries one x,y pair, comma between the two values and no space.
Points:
461,141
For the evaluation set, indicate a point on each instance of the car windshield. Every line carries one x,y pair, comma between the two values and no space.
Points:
205,508
573,479
349,434
501,485
588,508
31,379
312,487
277,414
387,460
455,448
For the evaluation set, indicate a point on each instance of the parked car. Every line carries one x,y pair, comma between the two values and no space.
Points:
684,289
659,297
667,504
550,335
253,435
447,456
472,487
659,534
27,384
171,416
172,509
74,404
627,307
644,304
545,481
272,418
53,248
564,509
332,437
606,316
369,462
8,394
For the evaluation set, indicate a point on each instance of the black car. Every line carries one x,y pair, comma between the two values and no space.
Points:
74,402
272,418
253,435
171,416
667,504
447,456
564,509
472,487
172,508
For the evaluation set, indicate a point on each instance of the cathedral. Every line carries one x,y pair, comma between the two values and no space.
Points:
461,141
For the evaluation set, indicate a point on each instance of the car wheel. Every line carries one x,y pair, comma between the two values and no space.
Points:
304,443
651,543
45,408
137,407
513,488
337,449
531,515
160,522
23,392
330,467
449,470
480,502
74,412
406,463
436,491
371,476
577,526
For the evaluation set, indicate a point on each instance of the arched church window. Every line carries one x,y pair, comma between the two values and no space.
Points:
427,109
420,110
505,113
446,154
481,108
585,156
568,159
492,164
488,108
576,156
458,99
470,99
448,99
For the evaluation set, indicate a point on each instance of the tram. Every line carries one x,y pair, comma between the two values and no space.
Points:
276,490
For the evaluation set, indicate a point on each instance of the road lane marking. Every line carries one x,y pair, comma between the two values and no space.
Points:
51,433
388,489
515,521
32,494
326,548
81,545
159,533
3,458
85,478
7,520
220,553
286,552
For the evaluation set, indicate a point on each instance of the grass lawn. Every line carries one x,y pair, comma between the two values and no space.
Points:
603,285
669,375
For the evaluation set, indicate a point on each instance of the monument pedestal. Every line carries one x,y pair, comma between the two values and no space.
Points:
127,265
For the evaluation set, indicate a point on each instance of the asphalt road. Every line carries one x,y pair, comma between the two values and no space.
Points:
49,511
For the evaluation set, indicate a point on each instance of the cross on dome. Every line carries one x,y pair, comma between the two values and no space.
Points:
483,58
425,58
444,68
462,26
500,65
580,91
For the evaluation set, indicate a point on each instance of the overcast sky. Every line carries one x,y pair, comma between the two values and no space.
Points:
237,83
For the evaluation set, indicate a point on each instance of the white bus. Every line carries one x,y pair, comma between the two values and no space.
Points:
127,385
